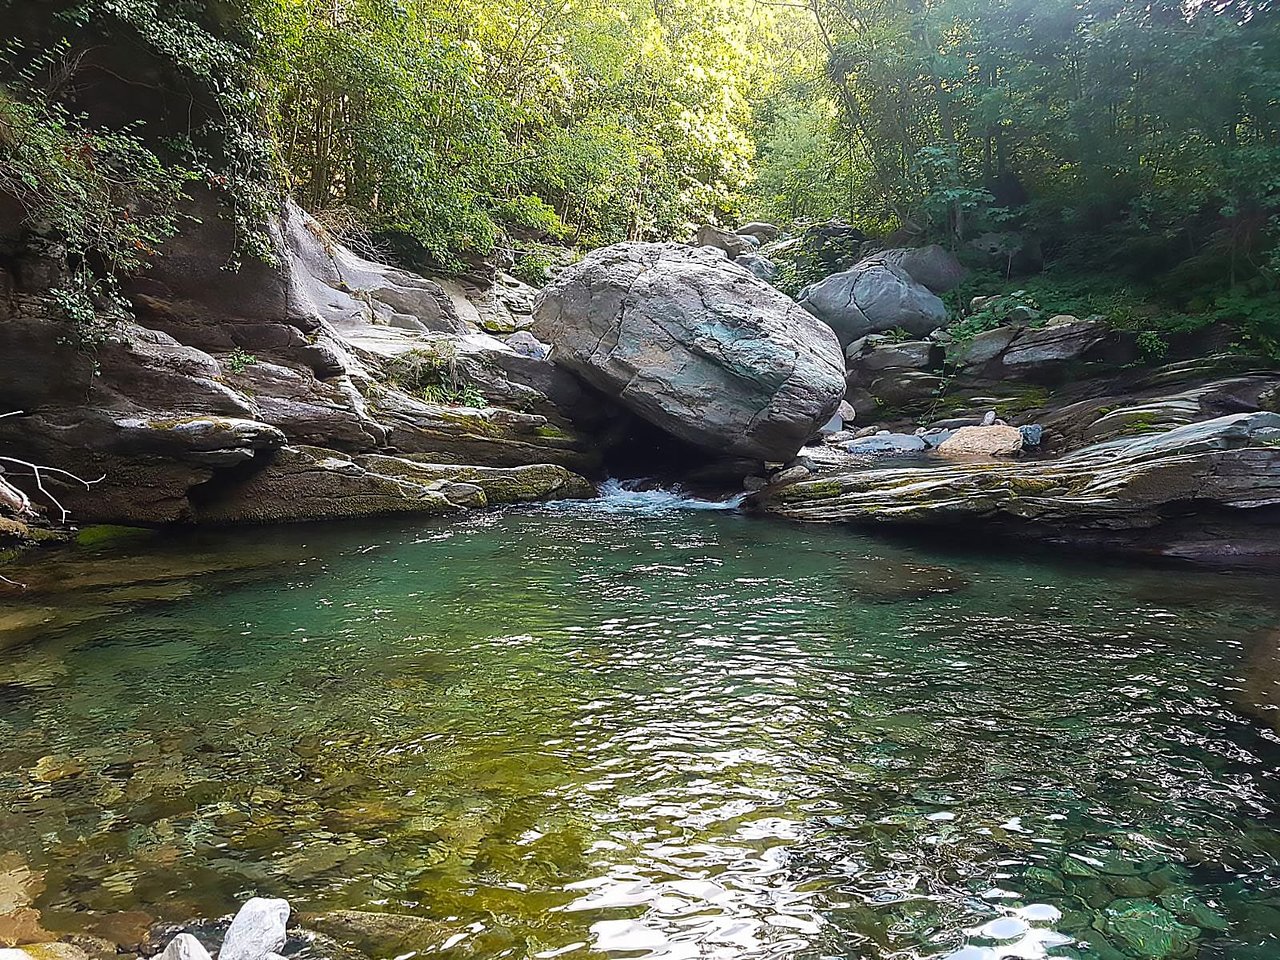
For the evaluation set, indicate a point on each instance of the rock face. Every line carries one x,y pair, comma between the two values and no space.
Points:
696,346
1208,491
873,297
761,266
211,390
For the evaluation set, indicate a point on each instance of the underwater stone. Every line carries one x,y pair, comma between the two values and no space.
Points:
1192,910
1147,930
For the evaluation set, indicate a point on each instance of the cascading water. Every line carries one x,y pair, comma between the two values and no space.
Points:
635,497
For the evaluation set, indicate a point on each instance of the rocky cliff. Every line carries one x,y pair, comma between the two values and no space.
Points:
324,385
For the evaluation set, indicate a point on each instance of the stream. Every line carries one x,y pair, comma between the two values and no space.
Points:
648,727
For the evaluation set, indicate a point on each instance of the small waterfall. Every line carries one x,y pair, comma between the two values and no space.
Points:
635,497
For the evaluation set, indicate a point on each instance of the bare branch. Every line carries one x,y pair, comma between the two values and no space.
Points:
37,470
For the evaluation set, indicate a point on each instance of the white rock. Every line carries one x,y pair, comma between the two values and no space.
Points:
185,947
257,931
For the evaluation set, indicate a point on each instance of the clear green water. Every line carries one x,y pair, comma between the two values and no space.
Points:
564,732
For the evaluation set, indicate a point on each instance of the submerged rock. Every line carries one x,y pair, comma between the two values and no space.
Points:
381,934
696,346
1148,931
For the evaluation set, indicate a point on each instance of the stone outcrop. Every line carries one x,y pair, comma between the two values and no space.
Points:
1206,491
695,345
873,297
219,378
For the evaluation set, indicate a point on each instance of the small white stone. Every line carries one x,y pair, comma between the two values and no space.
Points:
185,947
257,931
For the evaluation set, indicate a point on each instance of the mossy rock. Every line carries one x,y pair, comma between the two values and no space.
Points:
105,534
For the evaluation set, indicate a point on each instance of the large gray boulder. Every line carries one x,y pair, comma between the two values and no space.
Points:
933,266
696,345
762,231
872,297
733,245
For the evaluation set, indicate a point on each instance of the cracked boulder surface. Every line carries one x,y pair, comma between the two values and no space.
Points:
252,395
1206,491
695,345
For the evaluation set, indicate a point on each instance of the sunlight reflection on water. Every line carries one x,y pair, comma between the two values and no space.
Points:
669,734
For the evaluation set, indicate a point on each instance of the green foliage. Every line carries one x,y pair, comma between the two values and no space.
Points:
533,267
238,360
446,122
432,374
1092,126
99,200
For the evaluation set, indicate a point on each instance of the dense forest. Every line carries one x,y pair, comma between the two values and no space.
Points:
1122,157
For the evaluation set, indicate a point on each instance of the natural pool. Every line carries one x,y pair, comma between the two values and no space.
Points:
626,730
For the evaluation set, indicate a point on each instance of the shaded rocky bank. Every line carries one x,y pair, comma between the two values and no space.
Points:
331,386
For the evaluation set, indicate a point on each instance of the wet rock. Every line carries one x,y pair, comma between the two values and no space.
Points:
985,441
696,346
257,930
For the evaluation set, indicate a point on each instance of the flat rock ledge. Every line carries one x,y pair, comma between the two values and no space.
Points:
1207,491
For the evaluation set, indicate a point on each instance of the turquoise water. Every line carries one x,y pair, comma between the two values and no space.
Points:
623,730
